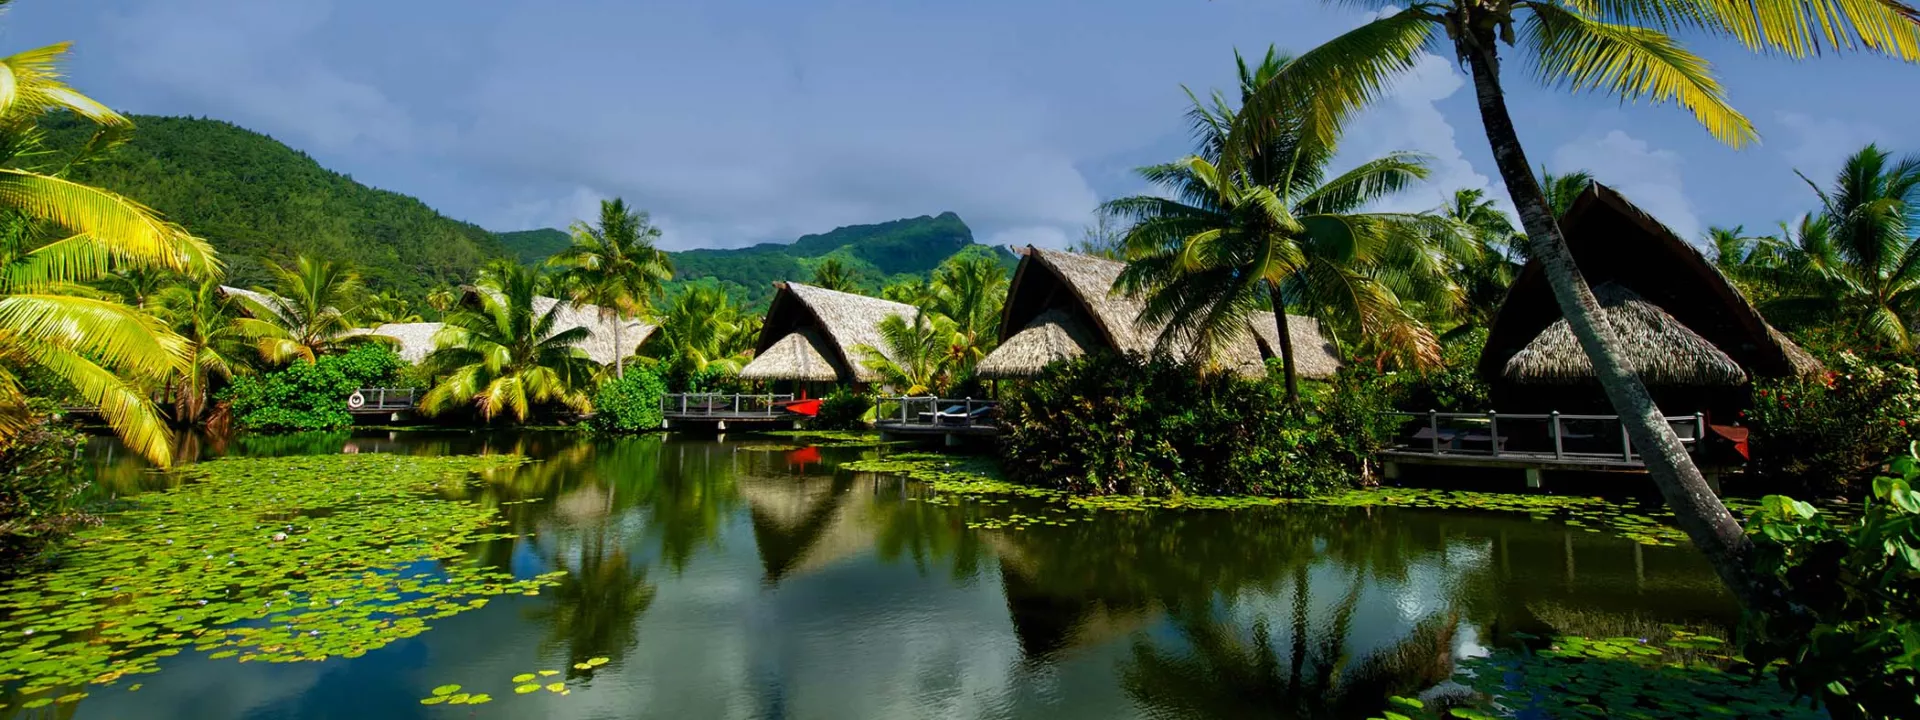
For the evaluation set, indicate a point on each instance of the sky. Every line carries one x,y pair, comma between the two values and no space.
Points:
742,121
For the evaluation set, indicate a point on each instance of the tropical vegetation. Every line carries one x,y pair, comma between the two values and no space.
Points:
503,358
614,266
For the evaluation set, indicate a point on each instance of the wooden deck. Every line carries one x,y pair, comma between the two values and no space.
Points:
929,416
716,411
382,401
1530,442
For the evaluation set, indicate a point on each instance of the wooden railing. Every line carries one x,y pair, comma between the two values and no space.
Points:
376,399
718,405
931,410
1551,435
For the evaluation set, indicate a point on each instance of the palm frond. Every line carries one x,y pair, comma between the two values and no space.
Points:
1630,62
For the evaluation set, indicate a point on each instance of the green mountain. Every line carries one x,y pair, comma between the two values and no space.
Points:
256,199
533,246
878,253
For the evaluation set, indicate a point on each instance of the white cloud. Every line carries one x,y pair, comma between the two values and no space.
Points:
1409,119
1648,177
1821,145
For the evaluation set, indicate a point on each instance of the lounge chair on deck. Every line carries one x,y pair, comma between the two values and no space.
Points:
961,416
933,416
1425,436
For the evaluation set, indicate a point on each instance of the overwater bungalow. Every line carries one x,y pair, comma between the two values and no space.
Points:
812,335
1693,338
1063,305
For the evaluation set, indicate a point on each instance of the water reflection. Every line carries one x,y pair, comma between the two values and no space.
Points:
725,579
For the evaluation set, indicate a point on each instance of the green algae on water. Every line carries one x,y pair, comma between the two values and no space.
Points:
261,560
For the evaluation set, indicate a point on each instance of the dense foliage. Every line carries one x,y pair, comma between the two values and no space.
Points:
1454,385
630,403
40,484
1829,435
256,199
1849,635
501,357
1108,424
843,409
310,396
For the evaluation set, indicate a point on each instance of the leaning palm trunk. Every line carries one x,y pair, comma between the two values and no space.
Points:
1699,512
1286,345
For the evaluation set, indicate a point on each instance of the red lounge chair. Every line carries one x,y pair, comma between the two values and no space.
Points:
808,408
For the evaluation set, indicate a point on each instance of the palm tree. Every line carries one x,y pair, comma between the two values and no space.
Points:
217,342
1267,227
137,284
968,291
1858,260
1489,270
699,330
1619,48
442,299
301,316
915,291
57,235
833,274
915,358
388,307
1561,190
614,265
1104,238
502,357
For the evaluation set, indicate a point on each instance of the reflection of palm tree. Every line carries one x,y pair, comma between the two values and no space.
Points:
924,532
1223,675
595,610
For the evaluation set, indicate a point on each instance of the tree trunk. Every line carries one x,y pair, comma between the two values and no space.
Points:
1286,344
1712,529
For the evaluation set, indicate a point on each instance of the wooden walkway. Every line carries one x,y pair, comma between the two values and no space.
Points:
716,410
1530,442
929,416
382,401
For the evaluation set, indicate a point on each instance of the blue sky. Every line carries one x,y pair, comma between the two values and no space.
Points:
740,121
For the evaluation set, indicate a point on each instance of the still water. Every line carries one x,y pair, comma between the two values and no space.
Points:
742,579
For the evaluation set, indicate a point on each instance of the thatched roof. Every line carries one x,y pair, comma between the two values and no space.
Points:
1313,355
844,321
1658,348
599,344
1081,287
801,355
1615,243
411,340
1055,335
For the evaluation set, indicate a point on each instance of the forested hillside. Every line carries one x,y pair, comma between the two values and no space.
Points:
256,199
876,253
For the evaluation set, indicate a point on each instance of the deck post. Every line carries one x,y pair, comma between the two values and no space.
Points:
1558,451
903,409
1493,432
683,403
736,404
1700,432
383,399
1626,443
1433,424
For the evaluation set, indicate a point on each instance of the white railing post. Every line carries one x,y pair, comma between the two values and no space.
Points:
1493,432
903,409
1626,442
382,402
1699,429
736,404
1558,451
1433,425
683,403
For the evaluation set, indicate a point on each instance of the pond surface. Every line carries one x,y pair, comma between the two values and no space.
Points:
747,578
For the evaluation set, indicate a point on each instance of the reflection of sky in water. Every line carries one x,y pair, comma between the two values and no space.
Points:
844,633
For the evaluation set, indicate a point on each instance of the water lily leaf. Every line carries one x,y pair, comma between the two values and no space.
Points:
446,690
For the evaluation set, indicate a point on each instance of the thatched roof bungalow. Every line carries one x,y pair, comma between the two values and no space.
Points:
600,344
1692,336
1063,305
412,341
812,334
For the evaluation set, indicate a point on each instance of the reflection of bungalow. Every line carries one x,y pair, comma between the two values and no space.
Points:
813,334
1063,305
1688,332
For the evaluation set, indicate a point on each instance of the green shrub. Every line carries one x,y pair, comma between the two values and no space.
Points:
1455,386
1849,636
629,404
310,396
843,409
1829,435
40,484
1107,424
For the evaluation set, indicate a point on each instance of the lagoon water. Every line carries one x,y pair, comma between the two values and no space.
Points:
750,578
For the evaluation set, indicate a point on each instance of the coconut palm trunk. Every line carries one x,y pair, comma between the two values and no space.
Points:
1698,510
1286,345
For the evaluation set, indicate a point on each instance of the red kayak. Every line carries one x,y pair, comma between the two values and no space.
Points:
808,408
